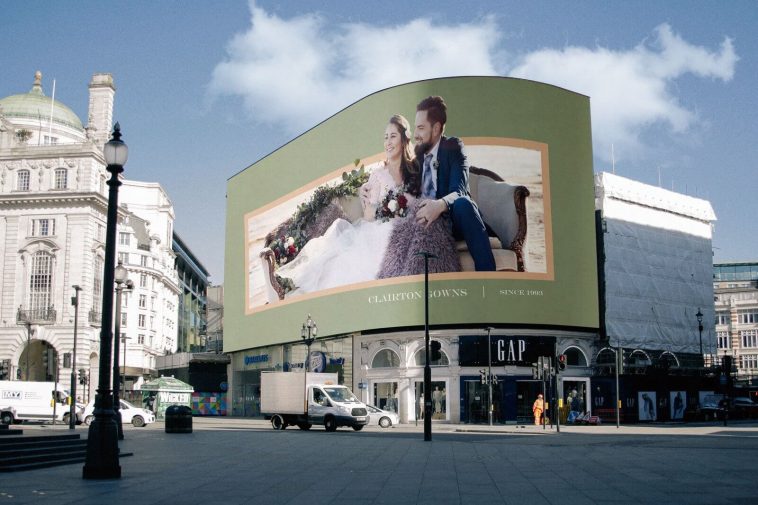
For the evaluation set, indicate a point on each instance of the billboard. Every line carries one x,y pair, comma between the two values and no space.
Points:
332,223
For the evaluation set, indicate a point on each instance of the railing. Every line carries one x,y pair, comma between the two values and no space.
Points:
95,317
36,316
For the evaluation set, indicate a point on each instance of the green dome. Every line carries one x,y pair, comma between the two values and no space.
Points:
35,105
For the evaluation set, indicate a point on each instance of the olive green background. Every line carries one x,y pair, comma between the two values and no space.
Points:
477,107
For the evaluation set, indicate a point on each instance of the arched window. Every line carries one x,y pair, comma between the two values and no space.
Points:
386,358
575,357
61,178
41,282
22,180
420,359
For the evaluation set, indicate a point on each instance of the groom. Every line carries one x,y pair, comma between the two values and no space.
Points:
444,182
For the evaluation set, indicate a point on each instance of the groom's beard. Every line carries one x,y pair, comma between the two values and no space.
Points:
421,149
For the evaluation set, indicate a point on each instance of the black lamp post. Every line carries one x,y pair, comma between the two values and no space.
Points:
308,334
699,317
72,412
427,365
29,332
102,441
122,283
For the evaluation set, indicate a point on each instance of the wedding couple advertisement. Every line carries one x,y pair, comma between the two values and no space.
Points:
485,182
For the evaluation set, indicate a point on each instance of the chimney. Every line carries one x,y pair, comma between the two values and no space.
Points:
100,115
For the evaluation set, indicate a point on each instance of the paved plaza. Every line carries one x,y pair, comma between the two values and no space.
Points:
238,461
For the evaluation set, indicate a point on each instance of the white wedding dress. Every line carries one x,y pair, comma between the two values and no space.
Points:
346,253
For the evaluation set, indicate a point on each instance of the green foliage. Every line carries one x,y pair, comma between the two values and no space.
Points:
307,211
23,135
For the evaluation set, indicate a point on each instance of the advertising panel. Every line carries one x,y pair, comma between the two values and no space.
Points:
498,189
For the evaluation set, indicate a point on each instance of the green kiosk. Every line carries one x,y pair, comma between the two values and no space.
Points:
161,393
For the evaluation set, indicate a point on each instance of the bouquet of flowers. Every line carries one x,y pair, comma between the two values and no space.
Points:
285,249
394,204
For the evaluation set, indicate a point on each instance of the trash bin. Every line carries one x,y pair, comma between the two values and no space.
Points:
178,419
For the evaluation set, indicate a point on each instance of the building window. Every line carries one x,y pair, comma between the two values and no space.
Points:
125,299
123,238
22,181
100,232
143,260
43,227
41,281
749,338
749,361
723,339
61,178
123,257
97,283
142,301
143,280
141,339
50,141
722,318
123,319
141,320
152,322
747,317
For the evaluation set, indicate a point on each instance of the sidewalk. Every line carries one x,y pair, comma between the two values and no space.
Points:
236,461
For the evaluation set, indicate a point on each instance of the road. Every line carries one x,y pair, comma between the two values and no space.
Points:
240,461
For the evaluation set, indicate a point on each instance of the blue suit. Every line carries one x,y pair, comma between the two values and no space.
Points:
453,188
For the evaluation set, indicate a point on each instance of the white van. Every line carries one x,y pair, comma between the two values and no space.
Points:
32,401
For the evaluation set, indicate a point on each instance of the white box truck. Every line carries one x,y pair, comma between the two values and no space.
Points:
305,399
32,401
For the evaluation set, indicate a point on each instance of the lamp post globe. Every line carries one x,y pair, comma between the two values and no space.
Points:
308,334
101,461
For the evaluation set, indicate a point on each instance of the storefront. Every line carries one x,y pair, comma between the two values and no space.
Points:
391,370
328,355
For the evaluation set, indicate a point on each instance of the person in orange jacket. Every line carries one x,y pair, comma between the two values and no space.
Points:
538,407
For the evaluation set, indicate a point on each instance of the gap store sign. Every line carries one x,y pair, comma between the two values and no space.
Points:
512,350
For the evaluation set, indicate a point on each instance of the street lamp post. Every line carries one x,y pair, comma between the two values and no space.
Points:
122,283
72,411
427,366
102,441
699,317
489,371
308,334
29,330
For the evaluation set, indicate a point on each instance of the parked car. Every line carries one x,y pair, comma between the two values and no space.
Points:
138,417
741,407
383,418
79,414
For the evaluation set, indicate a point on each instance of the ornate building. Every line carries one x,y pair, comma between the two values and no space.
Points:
53,203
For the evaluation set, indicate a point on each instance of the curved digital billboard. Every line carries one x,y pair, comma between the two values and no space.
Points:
490,177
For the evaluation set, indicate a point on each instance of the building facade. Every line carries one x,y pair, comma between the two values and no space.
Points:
587,266
735,286
53,205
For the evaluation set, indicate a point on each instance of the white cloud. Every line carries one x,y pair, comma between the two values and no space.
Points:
293,73
296,72
630,90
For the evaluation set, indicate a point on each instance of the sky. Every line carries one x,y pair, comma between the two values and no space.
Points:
205,89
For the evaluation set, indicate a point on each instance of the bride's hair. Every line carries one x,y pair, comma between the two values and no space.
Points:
408,166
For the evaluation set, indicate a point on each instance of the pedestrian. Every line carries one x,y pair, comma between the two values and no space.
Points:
537,408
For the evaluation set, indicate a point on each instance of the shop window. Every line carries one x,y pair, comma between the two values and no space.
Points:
386,358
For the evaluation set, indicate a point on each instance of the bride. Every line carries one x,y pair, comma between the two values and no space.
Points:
349,253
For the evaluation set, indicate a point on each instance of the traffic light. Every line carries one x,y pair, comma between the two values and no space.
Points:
435,350
82,376
561,362
5,369
483,376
